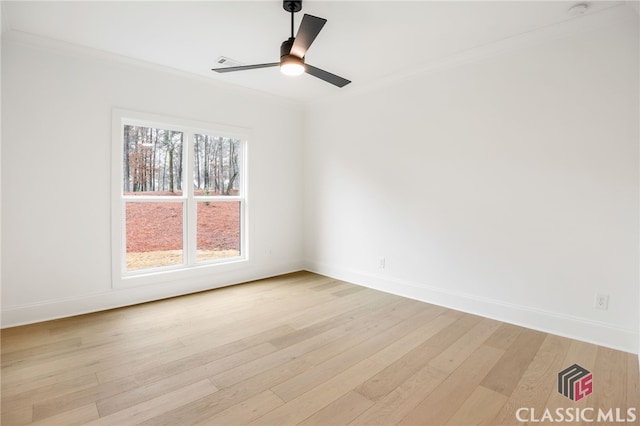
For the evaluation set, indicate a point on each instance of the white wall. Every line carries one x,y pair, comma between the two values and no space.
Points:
636,6
507,186
57,103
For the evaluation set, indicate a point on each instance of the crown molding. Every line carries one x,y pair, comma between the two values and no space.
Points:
635,5
63,47
607,18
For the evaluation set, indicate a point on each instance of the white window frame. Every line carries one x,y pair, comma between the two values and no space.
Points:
190,268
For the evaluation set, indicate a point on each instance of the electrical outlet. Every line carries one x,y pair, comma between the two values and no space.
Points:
382,263
601,301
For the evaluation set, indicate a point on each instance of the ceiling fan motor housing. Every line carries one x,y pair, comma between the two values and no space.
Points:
285,47
285,53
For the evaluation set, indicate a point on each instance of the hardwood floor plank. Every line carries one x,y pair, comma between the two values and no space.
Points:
235,342
447,398
504,336
325,325
633,385
299,348
455,354
339,412
393,407
538,381
25,337
269,309
148,383
318,341
393,375
70,401
390,327
255,319
245,411
78,416
505,376
480,408
29,385
29,397
268,378
610,379
34,354
184,358
321,312
326,286
83,362
281,311
134,414
348,291
16,416
209,406
307,404
435,319
140,394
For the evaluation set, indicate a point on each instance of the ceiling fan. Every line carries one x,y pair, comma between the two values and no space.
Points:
294,49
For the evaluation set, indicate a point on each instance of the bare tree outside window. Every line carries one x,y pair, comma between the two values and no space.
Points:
152,161
157,204
216,168
216,173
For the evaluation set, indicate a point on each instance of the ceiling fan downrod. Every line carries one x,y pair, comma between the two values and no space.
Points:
292,6
292,12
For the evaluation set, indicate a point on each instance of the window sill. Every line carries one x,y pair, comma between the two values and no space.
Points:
161,276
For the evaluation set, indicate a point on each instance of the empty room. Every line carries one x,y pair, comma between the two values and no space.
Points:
320,212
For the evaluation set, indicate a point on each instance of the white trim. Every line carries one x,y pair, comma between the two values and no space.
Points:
126,296
154,198
635,5
44,42
5,26
190,224
550,322
189,269
609,17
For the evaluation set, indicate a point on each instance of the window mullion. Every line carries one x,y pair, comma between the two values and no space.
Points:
191,208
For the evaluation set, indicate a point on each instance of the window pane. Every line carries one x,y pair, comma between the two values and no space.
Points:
216,168
152,162
154,234
218,230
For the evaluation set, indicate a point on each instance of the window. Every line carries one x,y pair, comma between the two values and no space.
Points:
179,201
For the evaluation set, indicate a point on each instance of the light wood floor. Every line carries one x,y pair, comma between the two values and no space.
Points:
296,349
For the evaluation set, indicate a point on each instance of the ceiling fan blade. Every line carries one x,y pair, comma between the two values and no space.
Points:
246,67
326,76
308,31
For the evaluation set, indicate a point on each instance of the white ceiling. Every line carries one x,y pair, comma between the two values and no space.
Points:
364,41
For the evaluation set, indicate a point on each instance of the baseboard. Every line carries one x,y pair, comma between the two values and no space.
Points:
554,323
550,322
119,297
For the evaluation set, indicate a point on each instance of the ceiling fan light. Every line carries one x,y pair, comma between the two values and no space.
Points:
291,65
292,69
